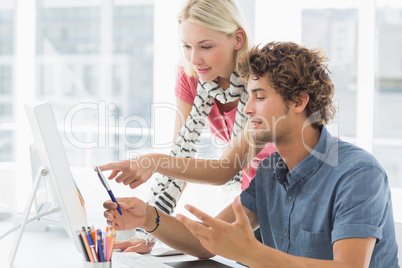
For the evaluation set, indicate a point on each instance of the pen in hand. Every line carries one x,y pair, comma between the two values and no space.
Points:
104,182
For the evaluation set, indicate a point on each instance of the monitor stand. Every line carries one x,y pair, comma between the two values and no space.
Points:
41,173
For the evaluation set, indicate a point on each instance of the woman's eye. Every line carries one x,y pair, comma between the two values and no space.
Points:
186,46
206,47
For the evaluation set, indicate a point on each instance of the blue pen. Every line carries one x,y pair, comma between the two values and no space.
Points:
92,246
104,182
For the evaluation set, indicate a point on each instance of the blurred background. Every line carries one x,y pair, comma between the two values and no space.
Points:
108,69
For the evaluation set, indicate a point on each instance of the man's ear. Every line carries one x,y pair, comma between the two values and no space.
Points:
240,38
301,101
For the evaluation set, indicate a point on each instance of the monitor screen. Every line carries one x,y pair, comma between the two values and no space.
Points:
52,156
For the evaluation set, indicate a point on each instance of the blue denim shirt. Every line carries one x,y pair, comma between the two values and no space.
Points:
339,191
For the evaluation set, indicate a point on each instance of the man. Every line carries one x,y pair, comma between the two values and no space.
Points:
319,201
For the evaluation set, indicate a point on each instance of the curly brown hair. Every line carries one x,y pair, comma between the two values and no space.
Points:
290,69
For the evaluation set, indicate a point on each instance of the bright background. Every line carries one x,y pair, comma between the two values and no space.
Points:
108,69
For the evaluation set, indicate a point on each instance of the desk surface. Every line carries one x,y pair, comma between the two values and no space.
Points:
53,248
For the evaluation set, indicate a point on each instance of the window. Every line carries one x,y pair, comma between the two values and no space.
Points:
388,94
94,57
6,82
92,64
335,30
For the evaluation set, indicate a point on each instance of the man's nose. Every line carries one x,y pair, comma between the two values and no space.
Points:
249,107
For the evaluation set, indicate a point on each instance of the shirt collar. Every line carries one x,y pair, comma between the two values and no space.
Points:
308,165
281,171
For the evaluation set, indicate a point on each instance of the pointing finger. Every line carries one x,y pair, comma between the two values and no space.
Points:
111,166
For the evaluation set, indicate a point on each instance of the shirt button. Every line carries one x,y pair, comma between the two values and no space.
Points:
286,234
290,198
302,180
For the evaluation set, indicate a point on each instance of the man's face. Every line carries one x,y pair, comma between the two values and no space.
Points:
269,114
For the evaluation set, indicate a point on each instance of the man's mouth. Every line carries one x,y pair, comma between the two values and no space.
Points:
255,123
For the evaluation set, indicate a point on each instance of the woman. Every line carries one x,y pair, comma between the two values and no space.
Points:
214,37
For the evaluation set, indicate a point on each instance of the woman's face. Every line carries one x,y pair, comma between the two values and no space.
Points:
210,52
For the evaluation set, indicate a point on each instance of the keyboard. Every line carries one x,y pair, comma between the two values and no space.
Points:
54,218
132,259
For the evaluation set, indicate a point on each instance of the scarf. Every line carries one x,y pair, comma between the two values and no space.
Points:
166,191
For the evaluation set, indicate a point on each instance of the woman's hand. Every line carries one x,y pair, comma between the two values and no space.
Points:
133,172
134,245
134,212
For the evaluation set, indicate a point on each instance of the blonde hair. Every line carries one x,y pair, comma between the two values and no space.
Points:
224,16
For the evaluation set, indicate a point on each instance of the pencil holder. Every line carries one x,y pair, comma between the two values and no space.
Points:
88,264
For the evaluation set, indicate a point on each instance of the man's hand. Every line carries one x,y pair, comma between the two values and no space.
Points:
229,240
134,213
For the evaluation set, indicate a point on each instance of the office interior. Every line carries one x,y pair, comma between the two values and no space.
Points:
108,69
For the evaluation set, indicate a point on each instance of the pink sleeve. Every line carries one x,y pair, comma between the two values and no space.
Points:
186,86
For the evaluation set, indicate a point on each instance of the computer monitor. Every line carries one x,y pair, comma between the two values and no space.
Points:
52,156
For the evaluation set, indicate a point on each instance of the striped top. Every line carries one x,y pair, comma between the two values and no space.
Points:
219,123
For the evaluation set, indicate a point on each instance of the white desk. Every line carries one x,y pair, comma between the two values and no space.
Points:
53,248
